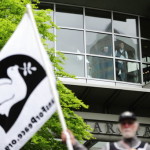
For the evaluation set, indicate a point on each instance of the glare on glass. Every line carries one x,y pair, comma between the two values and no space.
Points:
70,40
146,73
68,16
127,71
126,48
125,24
74,64
101,68
145,51
98,44
98,20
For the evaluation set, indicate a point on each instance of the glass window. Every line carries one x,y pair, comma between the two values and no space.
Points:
101,68
127,48
127,71
125,24
146,73
99,44
70,40
98,20
74,64
145,24
69,16
145,51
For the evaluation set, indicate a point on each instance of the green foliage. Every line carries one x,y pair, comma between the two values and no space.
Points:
11,12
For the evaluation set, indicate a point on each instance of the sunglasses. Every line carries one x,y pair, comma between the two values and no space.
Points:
127,123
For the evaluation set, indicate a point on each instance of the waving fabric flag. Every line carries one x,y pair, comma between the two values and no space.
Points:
26,100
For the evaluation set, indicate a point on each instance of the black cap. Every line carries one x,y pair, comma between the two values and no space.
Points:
127,115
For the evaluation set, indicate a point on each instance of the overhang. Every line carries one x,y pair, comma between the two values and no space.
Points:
138,7
113,100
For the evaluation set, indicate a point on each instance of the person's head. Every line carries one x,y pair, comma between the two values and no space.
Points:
121,45
128,124
106,49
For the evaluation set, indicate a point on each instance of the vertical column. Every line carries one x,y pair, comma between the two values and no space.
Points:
113,44
85,60
140,50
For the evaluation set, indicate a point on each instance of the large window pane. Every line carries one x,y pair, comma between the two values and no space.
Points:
126,48
146,73
70,40
145,24
74,65
99,44
127,71
145,51
69,16
98,20
101,68
125,24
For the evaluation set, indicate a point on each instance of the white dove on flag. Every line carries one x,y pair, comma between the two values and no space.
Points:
10,88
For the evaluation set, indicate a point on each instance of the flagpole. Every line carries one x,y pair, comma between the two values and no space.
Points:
53,86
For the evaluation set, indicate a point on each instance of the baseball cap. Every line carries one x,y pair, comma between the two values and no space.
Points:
127,115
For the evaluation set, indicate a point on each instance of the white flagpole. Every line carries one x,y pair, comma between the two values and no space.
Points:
48,69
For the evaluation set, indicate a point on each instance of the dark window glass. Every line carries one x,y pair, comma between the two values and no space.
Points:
127,48
98,20
146,73
125,24
74,64
145,51
46,6
69,16
127,71
101,68
145,24
99,44
70,40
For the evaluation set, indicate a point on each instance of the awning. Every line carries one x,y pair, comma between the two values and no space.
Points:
109,100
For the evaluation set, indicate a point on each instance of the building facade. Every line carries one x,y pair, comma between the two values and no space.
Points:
107,45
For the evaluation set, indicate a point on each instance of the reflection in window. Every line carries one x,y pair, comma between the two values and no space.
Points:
127,71
69,16
99,44
146,73
126,48
98,20
125,24
101,68
145,24
70,40
145,51
74,64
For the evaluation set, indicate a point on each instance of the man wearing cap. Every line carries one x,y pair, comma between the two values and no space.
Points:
128,126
